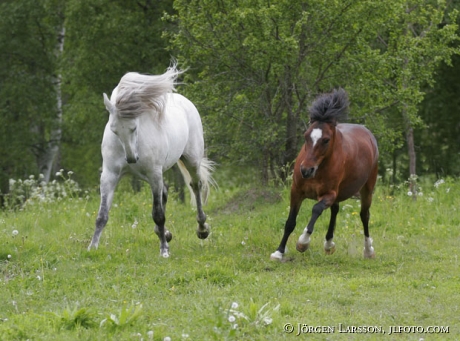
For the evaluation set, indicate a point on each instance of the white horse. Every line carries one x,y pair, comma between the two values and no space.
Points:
149,130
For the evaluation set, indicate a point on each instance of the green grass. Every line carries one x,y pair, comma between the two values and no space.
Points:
51,288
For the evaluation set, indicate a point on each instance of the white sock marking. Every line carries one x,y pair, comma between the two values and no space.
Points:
304,238
276,255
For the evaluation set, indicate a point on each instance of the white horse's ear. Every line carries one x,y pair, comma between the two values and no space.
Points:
108,104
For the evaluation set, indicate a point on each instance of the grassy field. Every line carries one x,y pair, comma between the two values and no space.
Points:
226,287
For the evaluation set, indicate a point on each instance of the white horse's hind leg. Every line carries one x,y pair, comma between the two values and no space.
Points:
199,185
108,183
203,228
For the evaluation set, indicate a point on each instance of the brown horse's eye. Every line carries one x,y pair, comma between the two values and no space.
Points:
326,141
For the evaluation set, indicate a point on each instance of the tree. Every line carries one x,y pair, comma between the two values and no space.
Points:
29,112
415,50
260,63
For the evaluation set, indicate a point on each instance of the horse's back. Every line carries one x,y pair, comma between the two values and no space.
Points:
359,141
181,114
361,159
180,107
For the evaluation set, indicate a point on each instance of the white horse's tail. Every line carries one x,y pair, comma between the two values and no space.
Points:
205,170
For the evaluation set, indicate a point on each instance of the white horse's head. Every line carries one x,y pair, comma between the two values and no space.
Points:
126,130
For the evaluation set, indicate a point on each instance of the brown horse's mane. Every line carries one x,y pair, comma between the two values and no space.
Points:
330,107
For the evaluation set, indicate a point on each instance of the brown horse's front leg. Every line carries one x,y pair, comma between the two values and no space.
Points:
304,240
288,228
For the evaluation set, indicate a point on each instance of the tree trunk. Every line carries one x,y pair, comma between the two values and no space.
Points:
290,152
412,161
47,154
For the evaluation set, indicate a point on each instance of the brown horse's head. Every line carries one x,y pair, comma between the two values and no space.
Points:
325,111
319,142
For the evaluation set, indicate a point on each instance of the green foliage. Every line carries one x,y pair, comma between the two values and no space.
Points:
260,64
438,141
28,32
72,318
126,317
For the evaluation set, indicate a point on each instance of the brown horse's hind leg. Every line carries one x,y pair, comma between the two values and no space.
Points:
329,245
366,201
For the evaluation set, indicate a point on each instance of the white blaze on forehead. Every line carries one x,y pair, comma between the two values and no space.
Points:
316,135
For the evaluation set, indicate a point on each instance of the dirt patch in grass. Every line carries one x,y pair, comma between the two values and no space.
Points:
248,200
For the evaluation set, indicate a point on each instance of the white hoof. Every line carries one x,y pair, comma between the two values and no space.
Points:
92,246
164,254
368,248
369,253
278,256
303,243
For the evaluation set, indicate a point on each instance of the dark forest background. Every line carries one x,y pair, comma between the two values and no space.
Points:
253,67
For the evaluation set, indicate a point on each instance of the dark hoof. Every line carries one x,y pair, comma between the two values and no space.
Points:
203,234
168,236
330,251
302,247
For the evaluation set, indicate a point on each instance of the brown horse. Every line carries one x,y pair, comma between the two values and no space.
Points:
336,162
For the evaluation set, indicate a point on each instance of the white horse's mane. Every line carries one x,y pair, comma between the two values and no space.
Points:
139,93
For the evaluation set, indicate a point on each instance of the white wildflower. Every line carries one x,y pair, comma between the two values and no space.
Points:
268,320
235,305
231,319
167,338
150,334
439,182
15,232
409,193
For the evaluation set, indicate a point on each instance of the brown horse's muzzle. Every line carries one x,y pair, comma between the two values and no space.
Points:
307,172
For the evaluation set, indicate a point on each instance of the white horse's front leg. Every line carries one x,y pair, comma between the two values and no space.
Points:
108,183
158,213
